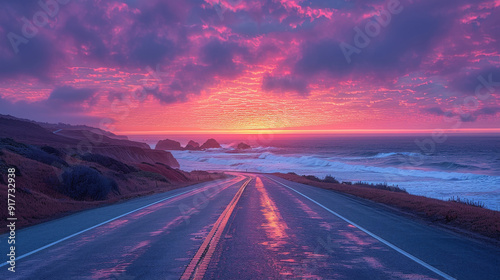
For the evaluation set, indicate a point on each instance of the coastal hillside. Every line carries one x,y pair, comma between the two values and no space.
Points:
59,172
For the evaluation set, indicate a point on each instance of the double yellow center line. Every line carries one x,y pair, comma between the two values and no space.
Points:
199,264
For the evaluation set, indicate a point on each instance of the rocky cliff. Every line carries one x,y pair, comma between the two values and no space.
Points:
210,144
243,146
192,145
168,144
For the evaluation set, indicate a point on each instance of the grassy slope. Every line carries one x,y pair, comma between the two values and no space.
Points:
37,198
41,156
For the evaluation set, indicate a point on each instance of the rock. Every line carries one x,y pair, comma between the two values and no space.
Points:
243,146
168,144
192,145
210,144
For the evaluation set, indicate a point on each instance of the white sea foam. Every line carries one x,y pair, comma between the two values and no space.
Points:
431,183
384,155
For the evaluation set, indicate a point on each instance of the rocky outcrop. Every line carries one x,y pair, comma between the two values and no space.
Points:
168,144
243,146
210,144
192,145
135,155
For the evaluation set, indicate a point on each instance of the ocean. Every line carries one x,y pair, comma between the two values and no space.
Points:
456,165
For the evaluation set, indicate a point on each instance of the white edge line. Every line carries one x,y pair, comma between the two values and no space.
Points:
92,227
392,246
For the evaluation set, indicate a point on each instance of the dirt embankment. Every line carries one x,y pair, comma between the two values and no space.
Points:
453,214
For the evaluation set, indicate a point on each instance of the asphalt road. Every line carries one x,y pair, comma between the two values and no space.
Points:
250,226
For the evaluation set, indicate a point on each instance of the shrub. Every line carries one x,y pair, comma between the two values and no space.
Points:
31,152
312,178
381,186
108,162
5,166
467,201
82,182
152,176
330,179
51,150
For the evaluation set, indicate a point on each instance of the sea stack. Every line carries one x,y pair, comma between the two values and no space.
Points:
192,145
210,144
243,146
168,144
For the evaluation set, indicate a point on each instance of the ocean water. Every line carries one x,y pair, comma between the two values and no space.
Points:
464,166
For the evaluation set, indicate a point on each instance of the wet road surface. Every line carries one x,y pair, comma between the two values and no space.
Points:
250,226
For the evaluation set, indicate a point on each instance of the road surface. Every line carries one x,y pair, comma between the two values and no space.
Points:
249,226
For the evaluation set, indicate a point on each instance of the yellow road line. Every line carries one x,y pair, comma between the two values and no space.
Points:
199,264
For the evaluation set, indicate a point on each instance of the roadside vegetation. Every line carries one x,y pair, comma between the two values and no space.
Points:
32,152
457,213
467,201
332,180
84,183
109,163
53,181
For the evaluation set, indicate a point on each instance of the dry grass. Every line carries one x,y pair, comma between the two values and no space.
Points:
38,199
460,215
467,201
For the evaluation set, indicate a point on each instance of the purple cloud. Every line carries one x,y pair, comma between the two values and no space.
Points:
64,103
429,53
70,95
471,116
284,84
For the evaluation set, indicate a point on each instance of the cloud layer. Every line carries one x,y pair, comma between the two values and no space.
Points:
422,58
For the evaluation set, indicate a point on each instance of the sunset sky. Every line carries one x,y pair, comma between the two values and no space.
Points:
236,65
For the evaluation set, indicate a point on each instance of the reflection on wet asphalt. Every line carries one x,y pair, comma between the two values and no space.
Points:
274,234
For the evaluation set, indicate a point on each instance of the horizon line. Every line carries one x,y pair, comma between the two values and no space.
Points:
313,131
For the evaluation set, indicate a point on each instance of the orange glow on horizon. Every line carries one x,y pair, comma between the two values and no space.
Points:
311,131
